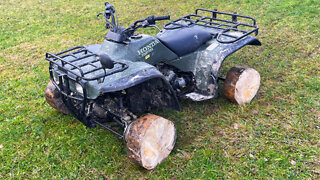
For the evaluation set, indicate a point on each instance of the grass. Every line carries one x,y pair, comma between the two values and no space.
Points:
275,136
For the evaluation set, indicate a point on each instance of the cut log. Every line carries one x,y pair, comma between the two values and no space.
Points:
53,97
241,84
150,139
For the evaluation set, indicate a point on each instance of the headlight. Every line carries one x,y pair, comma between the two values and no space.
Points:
55,76
79,88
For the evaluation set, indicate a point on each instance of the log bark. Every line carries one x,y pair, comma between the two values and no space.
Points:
150,139
241,84
53,97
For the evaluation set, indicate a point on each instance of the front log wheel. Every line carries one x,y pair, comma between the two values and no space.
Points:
53,97
241,84
150,139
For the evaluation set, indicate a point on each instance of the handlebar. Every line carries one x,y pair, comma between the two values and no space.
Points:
151,20
120,34
148,21
160,18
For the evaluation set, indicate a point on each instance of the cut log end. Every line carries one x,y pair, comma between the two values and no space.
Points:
241,84
53,97
150,139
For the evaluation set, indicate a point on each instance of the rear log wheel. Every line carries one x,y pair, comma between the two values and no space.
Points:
53,97
150,139
241,84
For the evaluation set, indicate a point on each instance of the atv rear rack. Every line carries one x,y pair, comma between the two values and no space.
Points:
225,27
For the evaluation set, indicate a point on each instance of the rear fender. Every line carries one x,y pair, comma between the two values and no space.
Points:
210,59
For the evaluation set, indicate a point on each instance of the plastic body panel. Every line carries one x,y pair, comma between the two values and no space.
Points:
206,61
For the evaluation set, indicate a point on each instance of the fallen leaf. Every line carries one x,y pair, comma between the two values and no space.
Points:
292,162
183,154
254,112
286,126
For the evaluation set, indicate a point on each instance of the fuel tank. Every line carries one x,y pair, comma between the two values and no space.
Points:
140,47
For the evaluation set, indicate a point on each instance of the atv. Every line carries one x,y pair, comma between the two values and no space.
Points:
114,84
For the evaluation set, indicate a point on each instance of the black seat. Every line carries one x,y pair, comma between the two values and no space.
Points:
185,40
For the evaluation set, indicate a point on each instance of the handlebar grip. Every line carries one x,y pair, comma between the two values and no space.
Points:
159,18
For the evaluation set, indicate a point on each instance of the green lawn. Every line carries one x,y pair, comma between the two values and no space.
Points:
276,135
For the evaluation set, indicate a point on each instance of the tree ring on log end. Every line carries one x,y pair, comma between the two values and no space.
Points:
150,139
241,84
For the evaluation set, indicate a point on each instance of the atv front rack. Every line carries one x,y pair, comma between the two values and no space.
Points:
225,27
75,68
77,54
80,65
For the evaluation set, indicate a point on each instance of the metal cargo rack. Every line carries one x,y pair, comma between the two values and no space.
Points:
70,64
223,25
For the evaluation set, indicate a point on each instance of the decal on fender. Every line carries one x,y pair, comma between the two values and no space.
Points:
148,48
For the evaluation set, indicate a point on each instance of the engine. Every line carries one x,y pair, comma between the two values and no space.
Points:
181,82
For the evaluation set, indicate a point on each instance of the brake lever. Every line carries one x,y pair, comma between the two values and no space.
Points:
155,27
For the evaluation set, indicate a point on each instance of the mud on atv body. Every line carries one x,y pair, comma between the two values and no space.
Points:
130,73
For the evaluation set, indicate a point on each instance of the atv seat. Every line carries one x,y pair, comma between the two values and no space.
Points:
185,40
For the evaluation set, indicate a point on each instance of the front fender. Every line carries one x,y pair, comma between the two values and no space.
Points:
129,80
139,77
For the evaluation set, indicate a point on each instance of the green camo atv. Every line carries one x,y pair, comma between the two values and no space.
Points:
108,84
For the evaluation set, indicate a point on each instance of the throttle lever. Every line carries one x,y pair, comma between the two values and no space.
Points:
150,20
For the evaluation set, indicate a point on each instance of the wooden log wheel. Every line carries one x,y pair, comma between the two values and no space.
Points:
53,97
150,139
241,84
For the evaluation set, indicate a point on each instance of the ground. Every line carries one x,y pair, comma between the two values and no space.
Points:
276,135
